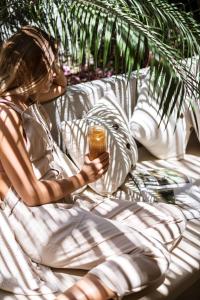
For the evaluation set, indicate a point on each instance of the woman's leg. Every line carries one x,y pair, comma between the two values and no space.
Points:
161,221
120,259
164,222
88,288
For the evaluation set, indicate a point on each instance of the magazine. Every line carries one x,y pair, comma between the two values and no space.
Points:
159,179
158,185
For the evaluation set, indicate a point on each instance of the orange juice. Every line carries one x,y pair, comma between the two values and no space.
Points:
97,138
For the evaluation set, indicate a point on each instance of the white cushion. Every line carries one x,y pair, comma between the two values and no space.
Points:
80,98
195,115
193,98
121,146
165,139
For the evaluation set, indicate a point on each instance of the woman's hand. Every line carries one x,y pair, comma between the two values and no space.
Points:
57,88
94,169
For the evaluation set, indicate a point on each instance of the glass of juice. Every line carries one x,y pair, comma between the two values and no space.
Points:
97,139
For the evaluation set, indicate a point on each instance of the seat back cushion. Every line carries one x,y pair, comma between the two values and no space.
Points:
121,145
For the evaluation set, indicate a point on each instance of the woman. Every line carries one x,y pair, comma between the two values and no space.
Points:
125,247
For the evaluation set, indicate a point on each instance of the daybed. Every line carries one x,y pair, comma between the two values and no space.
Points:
185,266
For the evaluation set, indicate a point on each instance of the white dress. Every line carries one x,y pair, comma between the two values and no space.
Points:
125,244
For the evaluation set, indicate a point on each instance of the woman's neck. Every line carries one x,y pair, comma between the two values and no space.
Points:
21,101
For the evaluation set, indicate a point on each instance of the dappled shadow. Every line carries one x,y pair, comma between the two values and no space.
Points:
48,226
122,149
58,236
79,99
165,139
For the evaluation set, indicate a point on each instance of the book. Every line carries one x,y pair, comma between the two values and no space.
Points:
158,185
159,179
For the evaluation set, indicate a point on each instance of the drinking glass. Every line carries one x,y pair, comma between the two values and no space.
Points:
97,139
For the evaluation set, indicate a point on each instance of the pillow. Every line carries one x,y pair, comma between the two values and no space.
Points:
193,98
195,115
165,139
80,98
121,146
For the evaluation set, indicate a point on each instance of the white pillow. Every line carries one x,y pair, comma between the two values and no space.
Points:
121,146
193,98
80,98
169,140
195,115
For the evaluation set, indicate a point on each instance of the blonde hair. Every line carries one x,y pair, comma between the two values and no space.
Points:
25,58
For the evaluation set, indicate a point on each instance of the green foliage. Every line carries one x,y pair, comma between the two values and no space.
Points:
130,30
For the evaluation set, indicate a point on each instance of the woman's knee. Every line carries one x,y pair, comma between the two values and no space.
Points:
157,264
155,261
170,227
179,221
133,272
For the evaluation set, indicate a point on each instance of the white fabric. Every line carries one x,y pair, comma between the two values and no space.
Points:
18,273
184,268
111,238
121,146
188,199
167,140
68,167
194,108
22,265
195,115
192,97
80,98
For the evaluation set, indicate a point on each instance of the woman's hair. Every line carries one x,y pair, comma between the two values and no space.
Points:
25,58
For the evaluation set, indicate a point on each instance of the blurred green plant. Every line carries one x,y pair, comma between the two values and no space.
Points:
133,32
192,6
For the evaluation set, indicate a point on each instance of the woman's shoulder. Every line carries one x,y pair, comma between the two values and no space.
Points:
10,120
6,110
11,113
11,105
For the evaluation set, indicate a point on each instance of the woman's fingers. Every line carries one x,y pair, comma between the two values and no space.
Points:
102,165
103,168
103,157
94,169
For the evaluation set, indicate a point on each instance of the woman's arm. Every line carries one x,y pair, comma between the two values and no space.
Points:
18,167
58,87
